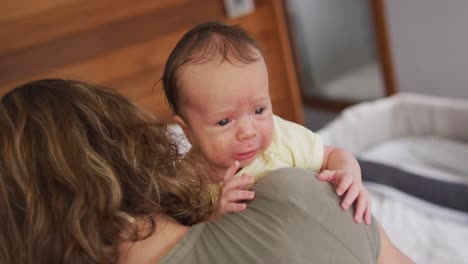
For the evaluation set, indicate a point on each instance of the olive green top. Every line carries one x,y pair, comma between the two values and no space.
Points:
294,218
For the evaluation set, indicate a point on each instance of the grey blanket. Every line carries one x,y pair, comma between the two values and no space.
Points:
443,193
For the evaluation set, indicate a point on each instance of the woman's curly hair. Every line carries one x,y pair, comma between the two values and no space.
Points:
78,165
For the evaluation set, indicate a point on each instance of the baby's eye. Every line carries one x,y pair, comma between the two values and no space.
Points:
224,122
259,110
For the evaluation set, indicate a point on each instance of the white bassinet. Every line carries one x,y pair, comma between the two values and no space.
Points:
426,136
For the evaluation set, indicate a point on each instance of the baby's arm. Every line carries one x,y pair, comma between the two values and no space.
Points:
233,194
341,168
337,166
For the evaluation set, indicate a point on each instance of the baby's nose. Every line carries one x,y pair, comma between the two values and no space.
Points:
247,132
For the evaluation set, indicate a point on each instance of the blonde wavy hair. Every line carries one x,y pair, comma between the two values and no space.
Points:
78,164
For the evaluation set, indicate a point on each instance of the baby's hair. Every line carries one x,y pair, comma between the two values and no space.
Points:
204,43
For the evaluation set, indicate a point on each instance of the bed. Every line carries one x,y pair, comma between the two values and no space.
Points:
413,151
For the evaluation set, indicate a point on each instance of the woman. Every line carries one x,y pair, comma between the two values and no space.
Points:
86,177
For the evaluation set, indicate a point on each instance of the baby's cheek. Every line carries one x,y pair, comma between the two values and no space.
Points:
222,151
267,137
265,145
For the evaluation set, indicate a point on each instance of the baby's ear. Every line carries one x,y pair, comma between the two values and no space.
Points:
180,121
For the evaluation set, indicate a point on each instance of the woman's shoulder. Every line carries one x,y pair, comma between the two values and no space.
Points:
294,218
296,182
299,194
296,190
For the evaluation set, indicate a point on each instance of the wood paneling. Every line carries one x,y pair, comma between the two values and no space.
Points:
124,44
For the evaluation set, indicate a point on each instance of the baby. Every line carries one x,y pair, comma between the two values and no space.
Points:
216,83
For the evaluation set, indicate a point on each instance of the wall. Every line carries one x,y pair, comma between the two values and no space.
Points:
123,44
333,36
429,43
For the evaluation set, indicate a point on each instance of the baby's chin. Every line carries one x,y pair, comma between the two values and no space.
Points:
221,169
247,162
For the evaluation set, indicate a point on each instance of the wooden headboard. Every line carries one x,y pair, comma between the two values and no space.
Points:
123,44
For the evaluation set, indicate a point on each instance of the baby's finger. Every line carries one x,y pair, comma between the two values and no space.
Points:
239,195
245,183
326,175
346,182
231,171
350,196
361,206
237,183
235,207
368,213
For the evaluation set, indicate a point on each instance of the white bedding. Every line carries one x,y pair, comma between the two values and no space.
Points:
424,135
434,157
426,232
423,236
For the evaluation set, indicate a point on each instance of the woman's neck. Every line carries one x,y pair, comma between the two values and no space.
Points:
155,247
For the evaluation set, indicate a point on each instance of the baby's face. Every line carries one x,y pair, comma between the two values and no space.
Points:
227,110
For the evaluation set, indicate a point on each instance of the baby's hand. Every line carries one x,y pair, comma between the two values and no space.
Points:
233,192
354,189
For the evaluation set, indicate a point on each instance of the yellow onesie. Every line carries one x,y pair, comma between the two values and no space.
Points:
292,146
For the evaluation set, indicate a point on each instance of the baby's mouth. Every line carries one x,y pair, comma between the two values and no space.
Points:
245,155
